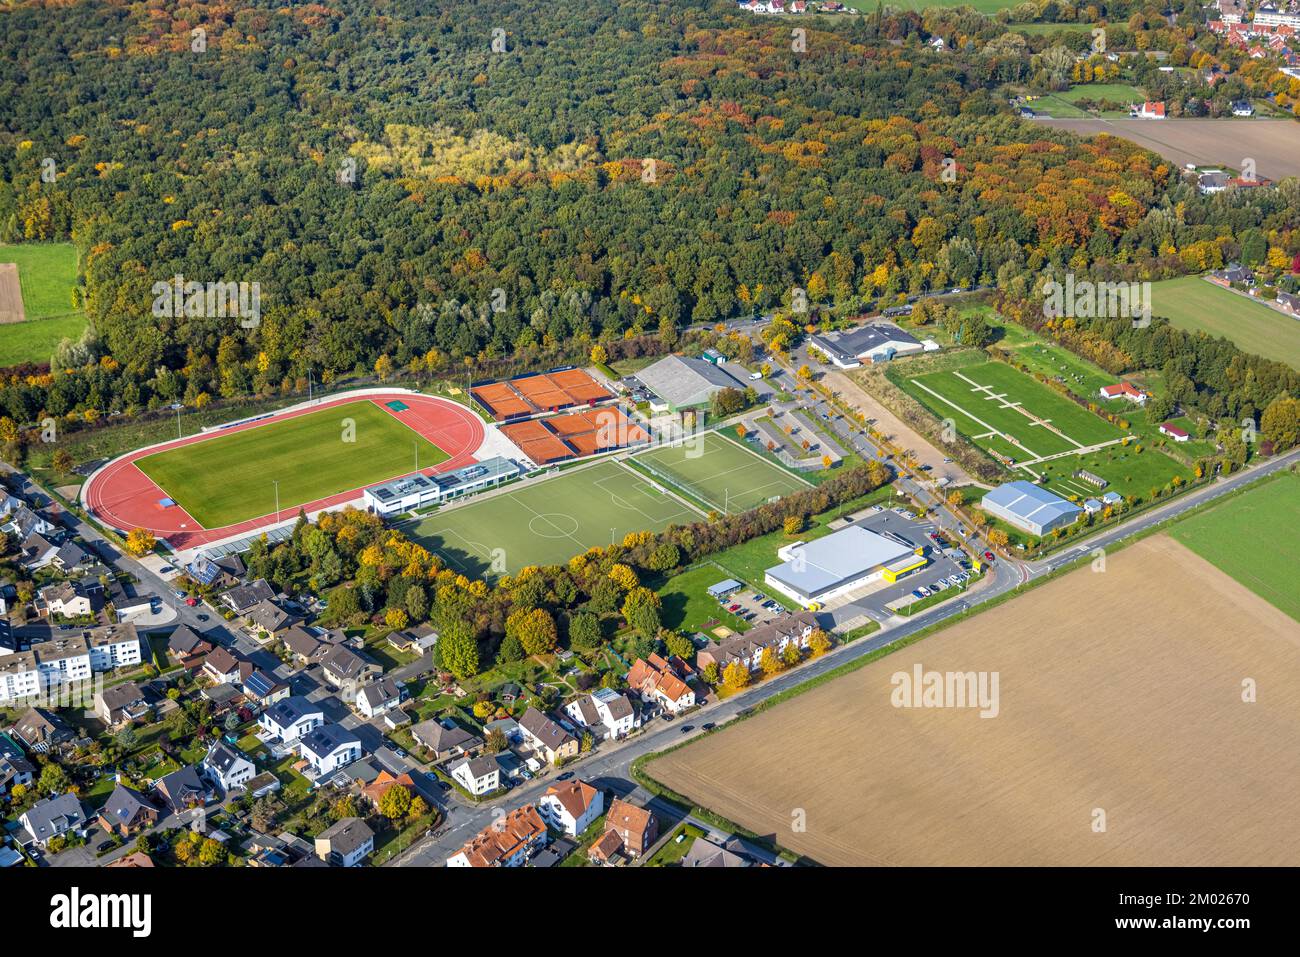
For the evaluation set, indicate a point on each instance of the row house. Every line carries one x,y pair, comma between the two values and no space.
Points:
507,842
662,681
748,648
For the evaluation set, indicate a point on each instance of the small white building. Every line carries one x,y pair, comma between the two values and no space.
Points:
228,767
379,697
606,713
329,748
291,718
478,776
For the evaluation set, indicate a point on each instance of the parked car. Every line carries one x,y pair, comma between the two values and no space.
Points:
565,776
988,556
709,726
877,508
925,592
916,593
178,593
687,728
191,602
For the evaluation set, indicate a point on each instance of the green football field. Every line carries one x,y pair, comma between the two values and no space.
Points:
548,522
1252,538
1195,304
229,478
1007,412
720,473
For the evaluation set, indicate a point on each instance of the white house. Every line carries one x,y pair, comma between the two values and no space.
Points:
228,767
1174,432
291,718
478,776
378,697
52,817
113,646
604,712
329,748
1124,390
345,844
66,599
572,806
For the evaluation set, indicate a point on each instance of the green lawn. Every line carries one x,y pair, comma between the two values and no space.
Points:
687,604
228,478
988,403
672,852
1193,303
1252,538
47,275
722,474
1131,473
548,522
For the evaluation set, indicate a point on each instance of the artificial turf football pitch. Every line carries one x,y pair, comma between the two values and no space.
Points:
230,478
724,475
548,522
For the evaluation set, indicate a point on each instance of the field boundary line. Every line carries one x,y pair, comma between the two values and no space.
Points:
970,415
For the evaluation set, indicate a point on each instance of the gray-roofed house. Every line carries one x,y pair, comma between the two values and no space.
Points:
341,665
416,640
243,597
328,748
187,646
40,730
682,382
127,811
705,853
121,704
182,789
289,719
478,776
53,817
264,688
228,766
1030,508
345,844
379,697
266,616
748,648
547,738
445,740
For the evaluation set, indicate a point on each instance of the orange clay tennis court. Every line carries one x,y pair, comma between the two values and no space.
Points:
534,394
575,434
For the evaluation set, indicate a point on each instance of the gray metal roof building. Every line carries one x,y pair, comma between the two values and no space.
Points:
1030,508
833,564
874,341
685,383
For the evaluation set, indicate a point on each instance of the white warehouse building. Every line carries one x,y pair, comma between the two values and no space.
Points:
838,563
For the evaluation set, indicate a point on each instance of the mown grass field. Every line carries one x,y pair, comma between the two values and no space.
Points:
228,478
1065,103
548,522
1193,303
47,275
992,397
1252,538
720,473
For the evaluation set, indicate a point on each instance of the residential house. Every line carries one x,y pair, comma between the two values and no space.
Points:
662,681
478,776
1174,432
14,769
112,646
606,713
1150,110
1242,108
290,718
508,727
181,790
1234,272
547,738
445,739
224,668
188,647
38,552
748,648
374,791
329,748
636,827
127,811
416,640
1214,181
23,522
121,704
265,689
1124,390
507,842
379,697
571,806
243,597
344,667
706,853
228,767
266,617
305,645
1289,302
72,558
53,817
41,730
345,844
226,571
65,599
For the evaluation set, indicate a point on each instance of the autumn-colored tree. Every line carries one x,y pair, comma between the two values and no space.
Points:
140,542
383,368
395,803
535,630
790,654
819,642
62,462
770,661
735,676
396,618
623,576
793,524
598,355
710,673
998,538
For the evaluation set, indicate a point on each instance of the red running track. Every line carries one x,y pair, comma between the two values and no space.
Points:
123,496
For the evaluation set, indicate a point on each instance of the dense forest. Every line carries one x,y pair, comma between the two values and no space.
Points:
439,189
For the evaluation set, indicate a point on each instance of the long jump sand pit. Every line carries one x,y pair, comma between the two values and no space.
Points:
1120,693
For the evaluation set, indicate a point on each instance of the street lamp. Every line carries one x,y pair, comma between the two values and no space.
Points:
276,483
